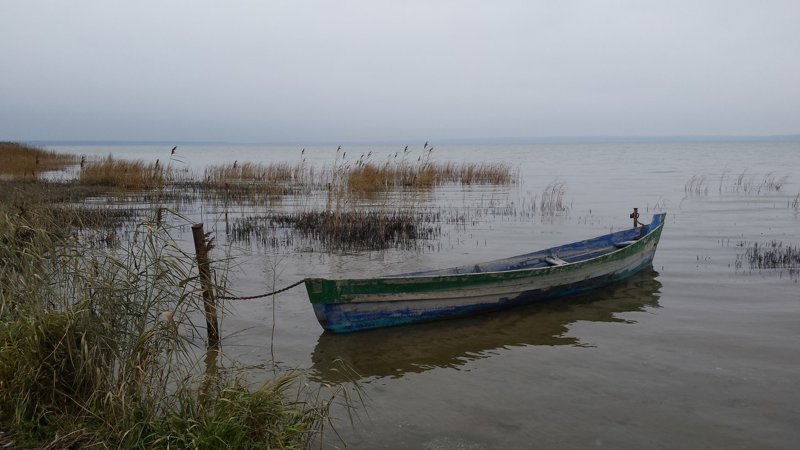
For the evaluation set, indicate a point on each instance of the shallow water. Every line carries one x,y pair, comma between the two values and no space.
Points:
693,353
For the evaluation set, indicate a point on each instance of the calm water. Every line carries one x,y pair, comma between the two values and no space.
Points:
693,354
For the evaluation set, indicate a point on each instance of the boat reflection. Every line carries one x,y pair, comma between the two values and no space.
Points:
393,352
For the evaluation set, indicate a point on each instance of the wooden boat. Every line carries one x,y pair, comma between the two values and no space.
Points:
345,305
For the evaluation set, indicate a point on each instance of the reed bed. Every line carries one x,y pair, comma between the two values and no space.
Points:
247,172
774,255
124,174
754,184
358,177
19,195
59,209
552,201
743,183
240,194
350,230
23,162
369,177
96,350
696,185
251,183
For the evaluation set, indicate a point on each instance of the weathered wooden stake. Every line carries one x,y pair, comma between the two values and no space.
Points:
204,268
635,217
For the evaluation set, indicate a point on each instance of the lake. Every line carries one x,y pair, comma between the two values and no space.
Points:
700,351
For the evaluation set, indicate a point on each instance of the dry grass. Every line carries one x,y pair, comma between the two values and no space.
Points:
369,177
124,174
247,172
344,178
24,162
252,182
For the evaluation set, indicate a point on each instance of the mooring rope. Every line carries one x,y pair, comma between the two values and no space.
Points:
253,297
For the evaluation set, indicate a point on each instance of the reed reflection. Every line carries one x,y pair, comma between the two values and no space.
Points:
393,352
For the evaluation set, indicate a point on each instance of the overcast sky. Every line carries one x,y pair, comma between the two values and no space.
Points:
269,71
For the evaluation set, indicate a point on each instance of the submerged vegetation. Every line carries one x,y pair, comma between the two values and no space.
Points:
774,255
553,199
743,183
350,230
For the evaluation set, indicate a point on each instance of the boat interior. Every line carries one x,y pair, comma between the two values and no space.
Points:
555,256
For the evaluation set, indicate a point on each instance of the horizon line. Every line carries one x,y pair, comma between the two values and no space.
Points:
462,141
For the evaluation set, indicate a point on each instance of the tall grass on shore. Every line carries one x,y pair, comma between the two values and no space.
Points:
94,351
24,162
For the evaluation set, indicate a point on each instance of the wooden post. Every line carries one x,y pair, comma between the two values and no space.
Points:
635,217
204,268
212,371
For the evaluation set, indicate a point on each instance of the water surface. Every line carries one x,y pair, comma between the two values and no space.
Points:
693,353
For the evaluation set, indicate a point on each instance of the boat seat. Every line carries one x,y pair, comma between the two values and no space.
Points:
554,260
623,244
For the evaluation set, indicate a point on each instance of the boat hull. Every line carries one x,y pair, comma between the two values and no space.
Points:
351,305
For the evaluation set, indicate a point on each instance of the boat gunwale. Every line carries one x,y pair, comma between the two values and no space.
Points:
400,279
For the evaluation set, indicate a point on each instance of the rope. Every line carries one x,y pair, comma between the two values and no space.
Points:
253,297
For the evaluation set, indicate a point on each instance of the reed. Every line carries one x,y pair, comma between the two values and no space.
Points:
247,172
753,184
743,183
339,230
94,350
552,201
369,177
697,185
253,183
58,208
24,162
124,174
774,255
